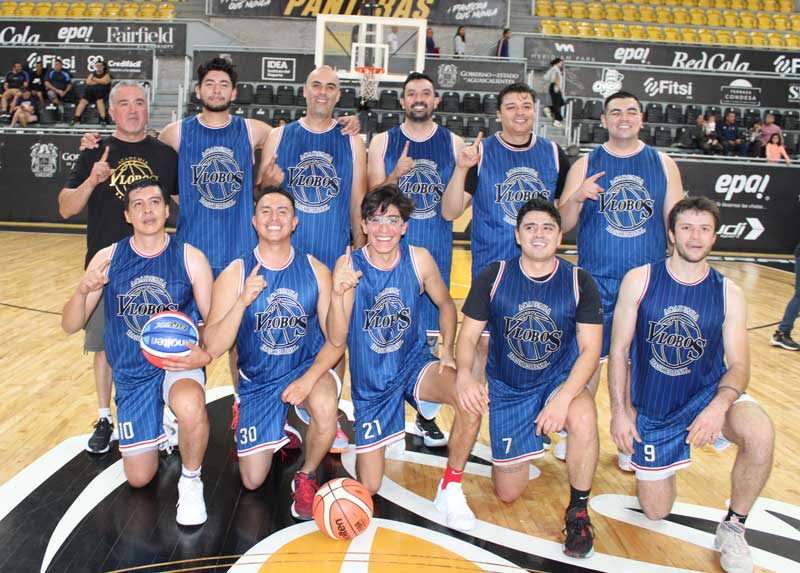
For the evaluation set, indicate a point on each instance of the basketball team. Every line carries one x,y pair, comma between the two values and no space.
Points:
339,249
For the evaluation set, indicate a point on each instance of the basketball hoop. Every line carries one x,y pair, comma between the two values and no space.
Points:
369,77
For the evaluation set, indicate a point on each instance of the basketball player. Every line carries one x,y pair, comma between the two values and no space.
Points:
376,297
619,195
100,179
683,327
498,175
419,157
273,303
148,273
547,319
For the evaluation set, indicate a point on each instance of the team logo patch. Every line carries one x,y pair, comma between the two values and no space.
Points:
532,336
146,296
283,324
424,186
44,159
675,341
386,321
218,178
127,172
627,206
314,182
520,186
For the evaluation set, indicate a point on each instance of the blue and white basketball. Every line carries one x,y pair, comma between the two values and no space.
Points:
166,335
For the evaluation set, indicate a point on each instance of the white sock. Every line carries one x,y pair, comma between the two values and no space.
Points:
190,474
236,397
104,413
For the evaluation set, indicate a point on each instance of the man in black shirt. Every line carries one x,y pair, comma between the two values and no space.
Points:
100,180
58,83
37,77
546,320
15,80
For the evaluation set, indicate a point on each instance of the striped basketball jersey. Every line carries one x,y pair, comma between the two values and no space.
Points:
434,160
677,351
279,335
318,170
385,328
533,326
215,183
624,227
138,287
508,177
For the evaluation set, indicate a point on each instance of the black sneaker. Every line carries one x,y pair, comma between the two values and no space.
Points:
546,441
784,340
580,533
430,433
99,442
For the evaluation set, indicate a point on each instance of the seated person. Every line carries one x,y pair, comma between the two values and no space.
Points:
58,83
37,77
98,85
25,109
15,80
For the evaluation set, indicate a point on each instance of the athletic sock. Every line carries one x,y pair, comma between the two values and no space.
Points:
190,474
236,397
578,498
451,476
733,516
104,413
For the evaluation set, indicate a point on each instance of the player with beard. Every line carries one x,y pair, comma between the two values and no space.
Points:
682,326
419,156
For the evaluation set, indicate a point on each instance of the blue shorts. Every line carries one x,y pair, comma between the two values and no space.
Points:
511,421
140,410
262,415
382,421
609,288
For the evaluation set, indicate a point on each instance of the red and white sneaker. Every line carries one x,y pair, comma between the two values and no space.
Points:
295,439
341,442
304,487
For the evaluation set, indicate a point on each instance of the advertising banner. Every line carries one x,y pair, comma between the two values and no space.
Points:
472,74
257,67
129,63
541,50
169,38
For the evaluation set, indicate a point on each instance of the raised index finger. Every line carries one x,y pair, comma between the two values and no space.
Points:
477,139
596,176
255,270
104,157
405,149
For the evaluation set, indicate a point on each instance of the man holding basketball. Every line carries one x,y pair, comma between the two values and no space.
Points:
272,303
142,275
375,308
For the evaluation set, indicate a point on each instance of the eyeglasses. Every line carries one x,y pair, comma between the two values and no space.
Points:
390,220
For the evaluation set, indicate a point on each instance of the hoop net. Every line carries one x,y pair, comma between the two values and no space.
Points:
369,78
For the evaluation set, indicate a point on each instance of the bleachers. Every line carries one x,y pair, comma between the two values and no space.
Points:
110,10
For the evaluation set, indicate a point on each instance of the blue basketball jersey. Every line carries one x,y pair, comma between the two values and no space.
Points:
624,227
280,336
215,182
508,177
434,160
318,169
385,333
533,326
138,287
677,351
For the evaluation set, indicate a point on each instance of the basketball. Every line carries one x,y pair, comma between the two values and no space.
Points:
342,508
165,335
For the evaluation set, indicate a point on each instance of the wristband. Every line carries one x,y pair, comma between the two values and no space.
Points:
738,394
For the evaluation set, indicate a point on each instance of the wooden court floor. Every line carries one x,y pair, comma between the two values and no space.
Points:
48,514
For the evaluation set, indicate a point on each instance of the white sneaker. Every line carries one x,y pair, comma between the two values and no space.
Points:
734,552
191,505
624,462
557,123
453,504
548,113
560,451
721,444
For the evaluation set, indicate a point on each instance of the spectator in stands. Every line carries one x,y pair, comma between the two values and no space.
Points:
555,79
393,40
15,80
711,124
98,85
753,138
730,136
25,108
701,139
58,83
460,41
769,129
502,44
37,77
783,336
775,150
430,45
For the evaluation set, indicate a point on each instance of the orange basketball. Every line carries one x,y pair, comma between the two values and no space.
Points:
342,508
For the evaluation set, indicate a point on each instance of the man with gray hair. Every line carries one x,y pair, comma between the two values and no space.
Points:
100,179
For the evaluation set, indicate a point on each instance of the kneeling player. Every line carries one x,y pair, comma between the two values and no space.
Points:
690,366
272,303
151,266
546,322
377,297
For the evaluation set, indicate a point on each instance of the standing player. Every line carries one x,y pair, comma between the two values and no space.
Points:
619,195
140,276
100,180
547,319
272,304
419,157
376,298
683,326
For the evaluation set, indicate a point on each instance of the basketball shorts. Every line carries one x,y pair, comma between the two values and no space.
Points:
140,410
512,429
609,288
262,415
94,330
381,420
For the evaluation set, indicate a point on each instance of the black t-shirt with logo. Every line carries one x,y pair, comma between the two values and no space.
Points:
37,80
130,162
